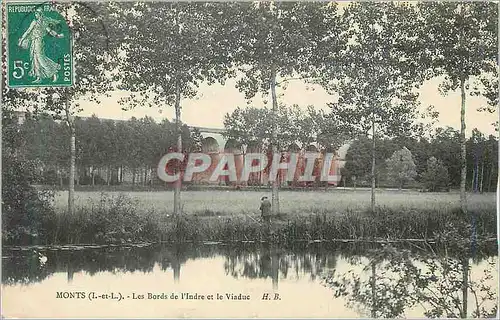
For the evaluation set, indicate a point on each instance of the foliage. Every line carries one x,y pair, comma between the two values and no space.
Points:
248,125
92,51
443,144
377,80
26,212
237,220
108,220
294,126
459,41
281,39
162,70
101,143
376,86
400,281
188,52
275,41
401,167
359,157
435,178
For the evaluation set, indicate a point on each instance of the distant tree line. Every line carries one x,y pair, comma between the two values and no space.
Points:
106,150
433,163
409,160
295,128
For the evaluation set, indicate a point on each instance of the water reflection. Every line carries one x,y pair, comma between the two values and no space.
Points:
24,266
392,281
279,263
373,281
249,261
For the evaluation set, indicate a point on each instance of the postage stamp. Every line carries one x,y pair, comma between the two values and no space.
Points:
39,52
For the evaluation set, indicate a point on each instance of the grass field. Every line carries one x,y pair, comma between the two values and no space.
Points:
291,202
232,216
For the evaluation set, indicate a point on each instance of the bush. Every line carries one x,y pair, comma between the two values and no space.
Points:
110,220
436,178
26,212
87,180
401,168
50,177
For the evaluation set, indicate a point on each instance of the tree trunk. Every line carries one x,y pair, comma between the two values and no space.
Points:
373,168
465,286
108,175
151,177
482,177
59,176
177,189
77,176
274,267
490,177
473,178
374,291
143,177
476,175
463,162
133,177
121,174
71,187
275,193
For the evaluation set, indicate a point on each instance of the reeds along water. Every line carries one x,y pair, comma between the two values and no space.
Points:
118,220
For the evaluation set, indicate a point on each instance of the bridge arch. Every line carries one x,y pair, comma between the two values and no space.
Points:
210,145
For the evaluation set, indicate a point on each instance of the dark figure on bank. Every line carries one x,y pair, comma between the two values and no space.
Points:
265,209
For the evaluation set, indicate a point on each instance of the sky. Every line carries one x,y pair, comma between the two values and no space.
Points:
213,102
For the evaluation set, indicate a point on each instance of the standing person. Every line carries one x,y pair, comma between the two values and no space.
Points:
265,209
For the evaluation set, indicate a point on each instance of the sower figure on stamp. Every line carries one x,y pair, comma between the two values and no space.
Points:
265,209
42,67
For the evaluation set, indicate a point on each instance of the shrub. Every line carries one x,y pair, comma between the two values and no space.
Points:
109,220
401,168
26,212
435,178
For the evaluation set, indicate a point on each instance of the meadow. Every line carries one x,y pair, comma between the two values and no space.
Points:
230,203
233,216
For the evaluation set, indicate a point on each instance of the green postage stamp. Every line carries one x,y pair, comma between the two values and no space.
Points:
39,46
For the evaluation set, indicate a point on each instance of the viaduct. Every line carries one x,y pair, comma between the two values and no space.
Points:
214,143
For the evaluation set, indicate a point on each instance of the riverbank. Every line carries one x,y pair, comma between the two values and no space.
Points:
233,203
121,220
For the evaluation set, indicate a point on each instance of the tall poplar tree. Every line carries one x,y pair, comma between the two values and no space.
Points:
277,41
167,51
375,82
459,40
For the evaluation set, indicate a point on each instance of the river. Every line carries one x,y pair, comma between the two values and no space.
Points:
220,280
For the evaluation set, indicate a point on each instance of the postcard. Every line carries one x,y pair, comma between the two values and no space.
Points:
249,159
